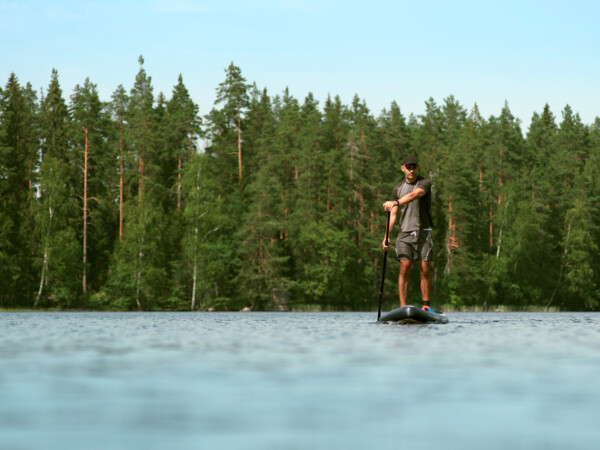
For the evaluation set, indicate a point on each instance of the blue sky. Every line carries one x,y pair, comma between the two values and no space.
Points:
487,52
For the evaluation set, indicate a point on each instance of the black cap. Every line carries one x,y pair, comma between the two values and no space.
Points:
410,159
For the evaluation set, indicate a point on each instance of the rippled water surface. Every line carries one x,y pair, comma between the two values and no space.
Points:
298,381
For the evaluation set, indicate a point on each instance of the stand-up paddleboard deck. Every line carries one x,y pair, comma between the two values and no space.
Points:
412,314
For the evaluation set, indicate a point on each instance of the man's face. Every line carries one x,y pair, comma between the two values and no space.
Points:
410,172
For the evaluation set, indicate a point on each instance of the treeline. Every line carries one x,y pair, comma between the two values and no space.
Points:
141,203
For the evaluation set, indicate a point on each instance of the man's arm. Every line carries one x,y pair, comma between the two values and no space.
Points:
394,205
393,215
417,193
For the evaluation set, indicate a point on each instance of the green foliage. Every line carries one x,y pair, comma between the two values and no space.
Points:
328,271
18,161
269,194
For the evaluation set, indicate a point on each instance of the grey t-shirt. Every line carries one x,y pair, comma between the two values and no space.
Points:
416,214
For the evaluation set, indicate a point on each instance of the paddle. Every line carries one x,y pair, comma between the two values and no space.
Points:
387,242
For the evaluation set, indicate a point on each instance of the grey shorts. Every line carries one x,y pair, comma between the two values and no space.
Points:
416,246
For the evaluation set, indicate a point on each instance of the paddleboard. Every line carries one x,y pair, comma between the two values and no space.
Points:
412,314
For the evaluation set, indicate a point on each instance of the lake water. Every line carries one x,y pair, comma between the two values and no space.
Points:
298,381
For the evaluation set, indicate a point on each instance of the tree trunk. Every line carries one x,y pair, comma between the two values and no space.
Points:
85,210
195,275
44,270
562,266
195,271
179,186
500,234
491,227
139,275
451,242
240,144
45,265
329,189
499,239
141,179
121,181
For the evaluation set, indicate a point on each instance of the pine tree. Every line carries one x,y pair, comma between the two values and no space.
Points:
360,147
94,155
312,166
574,287
139,277
267,223
393,144
529,269
118,108
18,161
456,196
324,249
233,93
589,295
540,141
259,130
203,220
140,130
461,190
502,162
211,247
335,131
428,138
225,131
58,212
8,267
182,130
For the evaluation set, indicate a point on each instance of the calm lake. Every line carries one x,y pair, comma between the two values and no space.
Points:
298,381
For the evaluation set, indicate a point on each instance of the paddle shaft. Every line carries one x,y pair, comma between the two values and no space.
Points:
387,242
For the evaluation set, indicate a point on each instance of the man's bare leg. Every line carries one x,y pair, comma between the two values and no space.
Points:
425,281
405,265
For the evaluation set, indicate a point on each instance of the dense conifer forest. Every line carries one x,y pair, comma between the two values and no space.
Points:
267,201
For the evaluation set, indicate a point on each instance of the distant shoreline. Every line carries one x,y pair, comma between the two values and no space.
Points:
496,308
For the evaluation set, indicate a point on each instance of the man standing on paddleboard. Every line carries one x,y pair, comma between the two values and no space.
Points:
412,203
